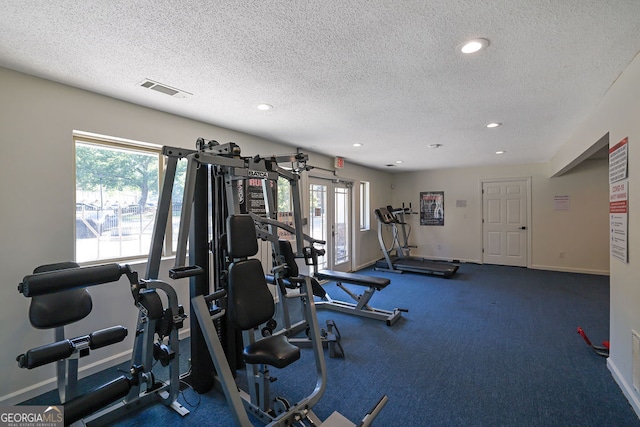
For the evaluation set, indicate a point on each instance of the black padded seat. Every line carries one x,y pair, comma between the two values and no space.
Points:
274,351
250,302
356,279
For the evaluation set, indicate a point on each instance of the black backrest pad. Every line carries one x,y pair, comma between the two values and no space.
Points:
250,302
241,236
59,308
287,252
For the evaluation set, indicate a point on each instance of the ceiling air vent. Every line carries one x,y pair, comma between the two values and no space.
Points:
167,90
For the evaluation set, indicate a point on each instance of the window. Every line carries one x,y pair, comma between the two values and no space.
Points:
284,196
365,215
341,225
285,208
117,185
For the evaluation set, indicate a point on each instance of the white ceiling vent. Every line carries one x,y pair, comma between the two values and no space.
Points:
167,90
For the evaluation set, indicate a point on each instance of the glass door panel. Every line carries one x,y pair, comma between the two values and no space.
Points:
341,229
330,220
318,224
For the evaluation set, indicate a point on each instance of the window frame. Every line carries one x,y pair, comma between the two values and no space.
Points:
365,206
106,141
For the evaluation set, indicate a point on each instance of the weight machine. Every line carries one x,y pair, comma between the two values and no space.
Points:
217,173
213,190
59,297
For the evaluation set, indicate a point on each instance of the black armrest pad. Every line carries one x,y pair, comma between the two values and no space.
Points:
107,336
45,354
295,282
69,278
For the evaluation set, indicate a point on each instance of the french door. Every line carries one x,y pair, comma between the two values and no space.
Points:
330,220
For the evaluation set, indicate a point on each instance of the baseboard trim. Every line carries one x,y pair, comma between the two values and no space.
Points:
363,266
46,386
628,391
570,269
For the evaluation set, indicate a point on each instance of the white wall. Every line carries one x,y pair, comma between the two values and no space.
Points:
37,219
619,114
581,232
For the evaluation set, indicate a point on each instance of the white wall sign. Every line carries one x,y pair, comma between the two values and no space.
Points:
561,203
618,159
619,214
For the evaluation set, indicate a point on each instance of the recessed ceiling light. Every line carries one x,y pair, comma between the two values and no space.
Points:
500,152
474,45
357,144
494,125
264,107
398,161
434,145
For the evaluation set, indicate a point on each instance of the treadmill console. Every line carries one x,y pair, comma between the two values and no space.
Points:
385,216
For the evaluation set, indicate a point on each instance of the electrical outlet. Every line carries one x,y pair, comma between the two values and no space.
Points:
561,256
439,247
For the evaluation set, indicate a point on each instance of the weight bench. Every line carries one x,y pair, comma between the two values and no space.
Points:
361,306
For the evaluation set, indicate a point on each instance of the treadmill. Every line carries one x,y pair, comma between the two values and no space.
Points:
402,261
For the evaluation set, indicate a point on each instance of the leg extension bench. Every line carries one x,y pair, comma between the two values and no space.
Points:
361,306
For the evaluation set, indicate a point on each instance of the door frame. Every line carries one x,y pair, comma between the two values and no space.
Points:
528,211
331,181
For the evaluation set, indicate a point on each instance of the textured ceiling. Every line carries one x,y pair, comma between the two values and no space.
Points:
383,73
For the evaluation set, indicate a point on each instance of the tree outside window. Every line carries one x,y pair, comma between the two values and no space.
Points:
117,189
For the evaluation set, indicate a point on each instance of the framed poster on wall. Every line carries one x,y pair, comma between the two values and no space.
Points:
432,208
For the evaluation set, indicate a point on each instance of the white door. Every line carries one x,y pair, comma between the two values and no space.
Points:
330,220
505,223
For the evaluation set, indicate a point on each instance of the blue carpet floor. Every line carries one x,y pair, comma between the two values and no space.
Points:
492,346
